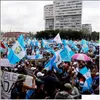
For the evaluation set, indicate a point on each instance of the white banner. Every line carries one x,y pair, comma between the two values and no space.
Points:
5,63
7,81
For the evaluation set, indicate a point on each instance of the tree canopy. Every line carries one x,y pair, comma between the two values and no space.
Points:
69,34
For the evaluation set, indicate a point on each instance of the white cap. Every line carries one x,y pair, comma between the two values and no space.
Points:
40,74
97,73
74,63
33,68
19,66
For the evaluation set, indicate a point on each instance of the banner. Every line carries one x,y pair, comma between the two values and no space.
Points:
7,81
5,63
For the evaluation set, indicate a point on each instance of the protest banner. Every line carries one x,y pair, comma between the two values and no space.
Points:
5,63
7,81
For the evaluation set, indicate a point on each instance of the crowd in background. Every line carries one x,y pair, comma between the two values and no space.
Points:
51,84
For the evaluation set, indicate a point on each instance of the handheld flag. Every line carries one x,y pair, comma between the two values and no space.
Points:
17,52
48,66
57,39
88,79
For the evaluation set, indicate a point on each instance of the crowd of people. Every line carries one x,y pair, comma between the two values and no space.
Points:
49,84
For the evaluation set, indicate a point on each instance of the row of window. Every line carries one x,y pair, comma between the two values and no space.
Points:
71,7
78,12
68,10
68,5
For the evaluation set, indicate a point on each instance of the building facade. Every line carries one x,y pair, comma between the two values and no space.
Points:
66,15
87,28
49,17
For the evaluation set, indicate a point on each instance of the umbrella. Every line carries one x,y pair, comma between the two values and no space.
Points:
80,56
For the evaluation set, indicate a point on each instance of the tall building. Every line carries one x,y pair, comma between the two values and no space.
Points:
87,28
66,14
49,17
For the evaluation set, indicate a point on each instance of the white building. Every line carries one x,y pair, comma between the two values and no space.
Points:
87,28
66,14
49,17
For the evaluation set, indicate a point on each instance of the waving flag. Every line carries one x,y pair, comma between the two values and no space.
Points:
38,56
44,43
64,55
50,50
57,39
74,47
64,42
85,48
83,42
49,65
88,79
28,41
69,50
70,42
17,52
57,61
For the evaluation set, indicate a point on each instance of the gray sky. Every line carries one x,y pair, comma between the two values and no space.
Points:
29,15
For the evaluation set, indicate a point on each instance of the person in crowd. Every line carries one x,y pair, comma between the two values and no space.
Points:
19,89
50,83
40,93
66,93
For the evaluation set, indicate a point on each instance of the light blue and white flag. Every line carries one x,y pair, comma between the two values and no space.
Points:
85,48
49,65
74,47
51,50
69,50
44,43
28,41
88,82
17,52
38,56
83,42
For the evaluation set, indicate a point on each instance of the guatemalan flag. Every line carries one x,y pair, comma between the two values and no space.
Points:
88,79
85,48
17,52
49,65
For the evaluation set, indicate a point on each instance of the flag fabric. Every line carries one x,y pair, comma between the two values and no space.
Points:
57,39
83,42
64,42
44,43
28,41
50,50
38,56
64,55
69,50
74,47
57,61
30,57
17,52
29,93
88,79
85,48
49,65
70,42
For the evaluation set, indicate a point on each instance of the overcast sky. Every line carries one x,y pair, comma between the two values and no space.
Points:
29,15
